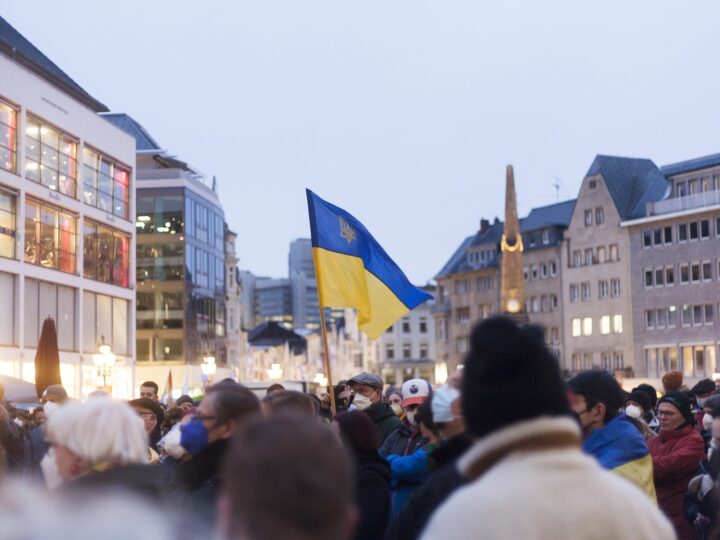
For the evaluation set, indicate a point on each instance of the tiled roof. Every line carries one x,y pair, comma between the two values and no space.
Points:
144,140
632,183
14,45
547,216
690,165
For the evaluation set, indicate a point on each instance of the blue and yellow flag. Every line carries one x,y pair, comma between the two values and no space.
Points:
352,270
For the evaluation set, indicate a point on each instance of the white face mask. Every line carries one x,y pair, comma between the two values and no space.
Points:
633,411
361,402
170,443
707,421
50,407
397,409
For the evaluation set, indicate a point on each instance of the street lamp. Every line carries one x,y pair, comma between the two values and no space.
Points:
104,361
275,372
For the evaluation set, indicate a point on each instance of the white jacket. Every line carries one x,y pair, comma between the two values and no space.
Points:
544,493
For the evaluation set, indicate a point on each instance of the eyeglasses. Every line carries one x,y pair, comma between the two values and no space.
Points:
667,413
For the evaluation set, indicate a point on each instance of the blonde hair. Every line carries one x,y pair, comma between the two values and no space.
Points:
101,431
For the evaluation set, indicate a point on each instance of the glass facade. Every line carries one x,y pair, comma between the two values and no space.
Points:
8,137
8,223
105,183
105,318
49,236
50,157
42,300
105,254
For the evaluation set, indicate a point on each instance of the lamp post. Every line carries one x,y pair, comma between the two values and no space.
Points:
208,368
104,361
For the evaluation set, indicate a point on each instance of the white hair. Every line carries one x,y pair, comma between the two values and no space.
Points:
100,431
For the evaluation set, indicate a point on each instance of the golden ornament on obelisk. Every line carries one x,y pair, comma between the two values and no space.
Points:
512,278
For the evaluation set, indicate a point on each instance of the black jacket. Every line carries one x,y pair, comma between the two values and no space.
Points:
12,442
372,494
144,480
410,522
384,418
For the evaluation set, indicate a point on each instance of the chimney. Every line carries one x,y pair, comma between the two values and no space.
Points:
484,225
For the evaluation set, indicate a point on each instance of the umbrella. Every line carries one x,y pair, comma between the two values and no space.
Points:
47,358
17,390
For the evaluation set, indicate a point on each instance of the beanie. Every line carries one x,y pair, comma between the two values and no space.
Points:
672,381
680,401
705,386
650,391
641,398
509,377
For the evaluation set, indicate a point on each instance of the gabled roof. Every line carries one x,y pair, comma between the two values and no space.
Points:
632,183
547,216
455,259
491,235
690,165
14,45
143,140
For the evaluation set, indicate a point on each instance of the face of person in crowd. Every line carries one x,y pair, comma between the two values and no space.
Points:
186,406
206,413
590,418
149,418
410,412
395,401
670,417
148,392
372,394
49,405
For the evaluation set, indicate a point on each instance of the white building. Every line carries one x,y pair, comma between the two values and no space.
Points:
67,236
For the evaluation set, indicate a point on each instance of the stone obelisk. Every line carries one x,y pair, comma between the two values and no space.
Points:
512,278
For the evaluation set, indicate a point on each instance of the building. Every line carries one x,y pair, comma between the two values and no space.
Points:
236,335
181,291
469,283
301,273
675,254
407,349
273,300
67,238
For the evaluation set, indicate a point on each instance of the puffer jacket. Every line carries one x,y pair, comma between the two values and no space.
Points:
676,457
408,461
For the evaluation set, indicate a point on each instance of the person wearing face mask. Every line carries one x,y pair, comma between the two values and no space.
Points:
609,435
53,398
393,397
702,391
637,405
366,395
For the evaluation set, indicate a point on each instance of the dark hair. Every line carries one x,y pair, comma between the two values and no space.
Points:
650,391
359,432
232,402
151,384
172,417
610,411
289,400
310,494
276,387
424,415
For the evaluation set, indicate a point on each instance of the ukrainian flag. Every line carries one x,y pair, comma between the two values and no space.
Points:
352,270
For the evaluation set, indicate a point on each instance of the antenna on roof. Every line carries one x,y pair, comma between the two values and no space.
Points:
556,185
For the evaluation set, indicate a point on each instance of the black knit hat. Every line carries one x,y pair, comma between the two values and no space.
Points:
680,401
598,384
650,391
641,398
705,386
509,376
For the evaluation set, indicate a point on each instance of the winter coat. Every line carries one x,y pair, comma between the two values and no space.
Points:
384,418
676,457
372,495
619,447
530,480
408,462
12,442
444,479
699,504
146,481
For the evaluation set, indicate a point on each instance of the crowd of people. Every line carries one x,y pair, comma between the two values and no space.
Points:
504,449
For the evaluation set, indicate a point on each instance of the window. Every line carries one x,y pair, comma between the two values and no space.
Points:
709,314
49,237
8,297
577,258
406,324
554,302
543,271
105,254
587,326
389,351
461,286
544,305
105,183
531,240
606,361
588,218
649,319
599,215
554,335
585,291
648,278
693,230
463,344
576,327
463,316
535,304
682,232
697,315
618,360
106,317
592,184
8,137
672,316
553,268
614,252
603,289
617,324
684,274
423,325
423,350
704,228
50,157
706,270
680,189
686,314
601,254
533,272
717,226
164,214
588,256
546,236
8,217
668,235
659,277
647,238
43,299
485,310
657,236
605,324
669,276
615,288
661,317
407,351
574,292
695,272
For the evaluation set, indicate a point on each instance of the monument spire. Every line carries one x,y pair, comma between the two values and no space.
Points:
512,277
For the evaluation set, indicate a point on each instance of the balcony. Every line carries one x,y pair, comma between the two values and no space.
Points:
688,202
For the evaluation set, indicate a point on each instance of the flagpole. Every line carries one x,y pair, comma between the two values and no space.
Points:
333,407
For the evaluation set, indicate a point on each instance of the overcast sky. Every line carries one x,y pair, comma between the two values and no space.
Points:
403,112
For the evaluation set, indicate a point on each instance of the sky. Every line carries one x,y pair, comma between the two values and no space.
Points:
404,113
